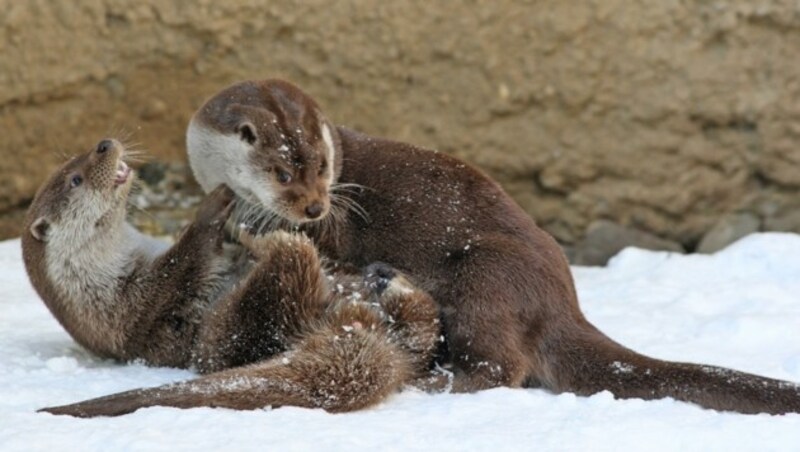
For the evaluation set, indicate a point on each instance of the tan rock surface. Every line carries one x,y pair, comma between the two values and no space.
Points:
658,115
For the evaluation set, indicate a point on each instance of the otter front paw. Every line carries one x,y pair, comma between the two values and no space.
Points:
377,277
383,280
215,208
261,246
209,224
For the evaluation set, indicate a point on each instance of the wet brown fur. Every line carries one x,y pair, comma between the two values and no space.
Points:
509,307
193,304
170,306
348,351
141,306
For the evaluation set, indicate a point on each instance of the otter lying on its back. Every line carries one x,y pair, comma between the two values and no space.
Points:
119,293
509,308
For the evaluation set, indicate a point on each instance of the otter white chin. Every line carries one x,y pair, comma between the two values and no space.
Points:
509,308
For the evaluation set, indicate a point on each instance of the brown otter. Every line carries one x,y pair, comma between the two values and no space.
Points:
372,338
509,308
119,293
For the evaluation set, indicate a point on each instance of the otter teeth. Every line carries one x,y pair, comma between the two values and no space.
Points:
123,171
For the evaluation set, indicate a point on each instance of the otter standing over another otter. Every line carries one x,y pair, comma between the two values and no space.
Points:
509,308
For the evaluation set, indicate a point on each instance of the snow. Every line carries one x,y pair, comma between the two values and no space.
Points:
738,308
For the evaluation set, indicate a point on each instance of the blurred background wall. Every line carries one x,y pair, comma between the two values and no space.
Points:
668,124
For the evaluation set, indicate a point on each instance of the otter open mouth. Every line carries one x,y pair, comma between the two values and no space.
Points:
122,173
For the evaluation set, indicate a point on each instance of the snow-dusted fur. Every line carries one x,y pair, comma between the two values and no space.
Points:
351,341
119,293
509,308
363,342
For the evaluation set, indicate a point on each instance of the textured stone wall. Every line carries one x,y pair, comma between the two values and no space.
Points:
661,116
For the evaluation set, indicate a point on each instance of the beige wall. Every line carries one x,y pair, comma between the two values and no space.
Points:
662,115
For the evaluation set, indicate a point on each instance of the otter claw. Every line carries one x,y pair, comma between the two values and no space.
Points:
378,275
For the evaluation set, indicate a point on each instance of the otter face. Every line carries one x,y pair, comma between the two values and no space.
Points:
84,194
270,144
295,166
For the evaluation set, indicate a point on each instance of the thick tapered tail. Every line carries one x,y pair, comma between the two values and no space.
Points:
124,402
590,362
233,391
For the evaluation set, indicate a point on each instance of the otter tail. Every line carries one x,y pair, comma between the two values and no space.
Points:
193,393
340,373
590,362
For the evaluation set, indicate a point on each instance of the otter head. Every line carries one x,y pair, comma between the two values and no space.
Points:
269,142
85,195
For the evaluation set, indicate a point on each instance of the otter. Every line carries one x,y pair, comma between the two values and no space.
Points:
372,339
120,293
510,313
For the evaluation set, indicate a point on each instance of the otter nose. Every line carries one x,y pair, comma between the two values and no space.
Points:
104,146
314,210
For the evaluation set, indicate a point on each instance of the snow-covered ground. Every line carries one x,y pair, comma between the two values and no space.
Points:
739,308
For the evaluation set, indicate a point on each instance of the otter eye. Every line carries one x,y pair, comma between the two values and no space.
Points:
284,177
75,180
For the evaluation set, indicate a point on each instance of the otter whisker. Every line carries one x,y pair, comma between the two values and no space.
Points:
249,214
141,210
136,188
137,158
259,218
351,205
60,152
329,222
349,188
122,134
340,185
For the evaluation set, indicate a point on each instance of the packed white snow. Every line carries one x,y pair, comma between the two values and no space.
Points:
738,308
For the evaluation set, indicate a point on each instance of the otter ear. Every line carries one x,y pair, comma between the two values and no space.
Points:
247,132
39,229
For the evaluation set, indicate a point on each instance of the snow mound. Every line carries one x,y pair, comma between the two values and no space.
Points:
737,308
